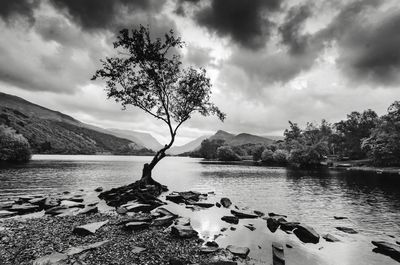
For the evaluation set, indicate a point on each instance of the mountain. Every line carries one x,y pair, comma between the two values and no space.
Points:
51,131
190,146
145,139
245,138
222,135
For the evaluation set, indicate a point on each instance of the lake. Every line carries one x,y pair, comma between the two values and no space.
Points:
370,201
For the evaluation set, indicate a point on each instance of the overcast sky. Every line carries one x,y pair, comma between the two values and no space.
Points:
270,61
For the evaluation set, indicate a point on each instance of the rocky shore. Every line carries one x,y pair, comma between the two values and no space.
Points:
144,229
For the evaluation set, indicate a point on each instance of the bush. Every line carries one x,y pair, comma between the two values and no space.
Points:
258,152
225,153
13,147
280,156
267,155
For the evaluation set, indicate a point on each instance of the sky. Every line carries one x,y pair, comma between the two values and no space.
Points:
269,61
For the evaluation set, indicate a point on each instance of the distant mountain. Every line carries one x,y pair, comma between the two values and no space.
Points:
145,139
274,137
229,138
190,146
51,131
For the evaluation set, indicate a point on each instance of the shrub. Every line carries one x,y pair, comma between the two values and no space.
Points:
267,155
225,153
280,156
13,147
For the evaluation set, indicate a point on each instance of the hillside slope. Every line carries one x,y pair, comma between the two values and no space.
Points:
53,132
190,146
144,139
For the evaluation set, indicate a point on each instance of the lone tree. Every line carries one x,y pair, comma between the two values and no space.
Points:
148,74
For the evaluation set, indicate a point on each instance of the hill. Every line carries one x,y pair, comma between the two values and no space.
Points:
53,132
145,139
245,138
190,146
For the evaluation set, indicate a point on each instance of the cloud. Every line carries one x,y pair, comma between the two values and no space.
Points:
245,22
10,10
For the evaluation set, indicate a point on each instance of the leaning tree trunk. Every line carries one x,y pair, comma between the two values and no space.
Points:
147,179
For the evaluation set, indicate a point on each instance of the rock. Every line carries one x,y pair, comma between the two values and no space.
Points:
398,242
121,210
5,213
251,228
289,226
163,211
136,225
275,214
347,230
220,262
71,204
52,259
68,212
330,238
6,204
89,229
260,214
72,199
163,221
50,203
57,210
98,189
24,208
176,198
37,201
226,202
26,198
190,195
339,217
138,207
388,249
278,257
203,204
223,229
137,250
218,204
289,246
208,250
88,209
230,219
94,203
274,222
233,228
212,244
243,215
80,249
238,251
182,221
183,231
306,234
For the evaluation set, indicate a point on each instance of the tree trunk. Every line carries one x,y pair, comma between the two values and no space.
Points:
146,175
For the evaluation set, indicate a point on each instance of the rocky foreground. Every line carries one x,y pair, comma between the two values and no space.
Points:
140,230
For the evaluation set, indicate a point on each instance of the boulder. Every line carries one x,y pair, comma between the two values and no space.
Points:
230,219
347,230
238,251
243,215
5,213
98,189
163,221
89,229
183,231
226,202
278,257
80,249
388,249
121,210
330,238
190,195
306,234
136,225
274,222
52,259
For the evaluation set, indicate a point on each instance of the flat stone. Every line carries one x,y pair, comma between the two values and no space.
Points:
89,229
190,195
243,215
136,225
6,204
50,203
288,226
330,238
272,214
80,249
208,250
24,208
68,212
306,234
88,210
184,221
98,189
230,219
226,202
278,257
138,207
274,222
52,259
163,221
37,201
121,210
203,204
183,231
71,204
339,217
56,210
163,211
347,230
388,249
176,198
5,213
238,251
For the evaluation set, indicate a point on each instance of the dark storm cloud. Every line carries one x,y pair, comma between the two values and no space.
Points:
290,30
104,14
245,22
10,9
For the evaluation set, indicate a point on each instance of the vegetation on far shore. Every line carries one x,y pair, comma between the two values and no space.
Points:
13,146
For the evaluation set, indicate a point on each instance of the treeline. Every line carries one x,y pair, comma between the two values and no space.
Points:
362,135
13,147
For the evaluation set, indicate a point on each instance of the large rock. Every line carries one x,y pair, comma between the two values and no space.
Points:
136,225
183,231
330,238
278,257
238,251
347,230
389,249
230,219
89,229
243,215
52,259
226,202
306,234
288,226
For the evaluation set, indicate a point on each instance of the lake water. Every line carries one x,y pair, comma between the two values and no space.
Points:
370,201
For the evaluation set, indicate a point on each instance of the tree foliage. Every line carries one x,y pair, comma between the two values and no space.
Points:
13,147
225,153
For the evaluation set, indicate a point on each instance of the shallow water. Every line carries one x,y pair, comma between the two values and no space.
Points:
370,201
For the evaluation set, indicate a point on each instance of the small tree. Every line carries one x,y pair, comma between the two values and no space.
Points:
148,74
13,146
225,153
